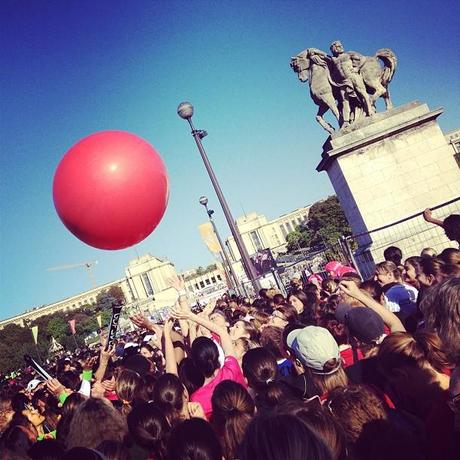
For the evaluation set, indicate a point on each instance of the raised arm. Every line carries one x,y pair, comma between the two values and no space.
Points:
428,216
390,319
226,341
179,285
170,357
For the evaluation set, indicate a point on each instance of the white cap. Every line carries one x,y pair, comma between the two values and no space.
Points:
314,346
33,384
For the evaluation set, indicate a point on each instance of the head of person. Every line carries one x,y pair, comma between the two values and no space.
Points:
452,227
366,327
423,349
428,252
353,407
194,439
321,422
205,355
386,273
451,257
329,285
282,316
317,354
72,402
393,254
127,388
244,328
149,429
433,271
374,289
218,317
281,437
232,411
278,299
114,450
170,397
271,339
47,449
147,351
412,268
241,346
190,375
441,310
95,421
336,48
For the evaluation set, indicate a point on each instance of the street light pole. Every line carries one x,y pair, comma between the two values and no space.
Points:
223,253
185,111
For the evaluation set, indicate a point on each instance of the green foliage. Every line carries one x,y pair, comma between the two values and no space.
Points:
15,341
326,223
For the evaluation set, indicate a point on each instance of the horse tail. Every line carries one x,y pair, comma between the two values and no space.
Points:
389,65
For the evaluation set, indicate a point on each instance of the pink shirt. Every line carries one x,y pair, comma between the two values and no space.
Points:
229,371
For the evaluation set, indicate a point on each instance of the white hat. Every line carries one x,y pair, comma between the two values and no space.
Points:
33,384
314,346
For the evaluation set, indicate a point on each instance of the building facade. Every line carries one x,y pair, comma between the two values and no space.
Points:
259,233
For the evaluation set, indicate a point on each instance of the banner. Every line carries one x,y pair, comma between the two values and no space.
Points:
34,330
99,320
209,237
72,326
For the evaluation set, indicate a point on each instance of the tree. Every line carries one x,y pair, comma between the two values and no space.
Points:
326,223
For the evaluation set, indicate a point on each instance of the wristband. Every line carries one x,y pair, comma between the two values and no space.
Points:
62,397
87,375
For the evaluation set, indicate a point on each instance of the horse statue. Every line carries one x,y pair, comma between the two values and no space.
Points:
338,94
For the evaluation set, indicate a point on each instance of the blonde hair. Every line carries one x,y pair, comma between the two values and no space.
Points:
388,267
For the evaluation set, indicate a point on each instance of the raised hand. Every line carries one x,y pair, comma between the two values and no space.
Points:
55,387
428,215
350,288
177,283
196,410
179,313
141,321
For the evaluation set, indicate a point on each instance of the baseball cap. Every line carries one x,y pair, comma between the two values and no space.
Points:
314,346
364,324
33,384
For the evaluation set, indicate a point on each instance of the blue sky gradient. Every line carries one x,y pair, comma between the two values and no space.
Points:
71,68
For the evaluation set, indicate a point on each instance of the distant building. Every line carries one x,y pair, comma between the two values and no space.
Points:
203,282
259,233
145,286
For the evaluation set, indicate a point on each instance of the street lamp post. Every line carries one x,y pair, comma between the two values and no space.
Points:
185,111
223,253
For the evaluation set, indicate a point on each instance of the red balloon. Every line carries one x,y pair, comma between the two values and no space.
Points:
111,189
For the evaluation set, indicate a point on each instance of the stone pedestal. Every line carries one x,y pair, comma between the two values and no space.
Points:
391,166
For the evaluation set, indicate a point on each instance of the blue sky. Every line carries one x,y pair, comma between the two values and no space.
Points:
71,68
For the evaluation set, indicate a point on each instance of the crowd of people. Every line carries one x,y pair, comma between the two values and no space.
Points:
338,369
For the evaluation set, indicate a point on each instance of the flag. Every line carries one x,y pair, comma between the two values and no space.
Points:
99,320
209,237
34,330
72,326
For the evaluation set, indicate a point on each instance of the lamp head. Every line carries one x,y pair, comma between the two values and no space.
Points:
185,110
203,200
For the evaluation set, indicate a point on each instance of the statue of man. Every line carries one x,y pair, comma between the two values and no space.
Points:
346,75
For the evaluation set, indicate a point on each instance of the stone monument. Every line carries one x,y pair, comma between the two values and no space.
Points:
385,166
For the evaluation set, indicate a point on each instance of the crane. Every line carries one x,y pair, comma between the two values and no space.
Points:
87,265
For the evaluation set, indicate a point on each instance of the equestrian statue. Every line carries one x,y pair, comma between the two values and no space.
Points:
347,83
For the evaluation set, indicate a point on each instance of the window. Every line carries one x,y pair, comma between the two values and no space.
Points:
147,285
213,279
256,240
219,277
283,230
288,227
196,286
202,284
208,282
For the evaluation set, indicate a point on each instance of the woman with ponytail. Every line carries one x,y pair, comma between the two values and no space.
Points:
232,411
261,372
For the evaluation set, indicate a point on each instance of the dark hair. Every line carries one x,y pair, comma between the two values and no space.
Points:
373,288
393,254
261,371
194,439
114,450
149,429
18,402
205,355
15,439
47,449
169,397
232,411
190,375
289,313
451,226
434,266
72,402
415,261
278,299
147,387
271,339
281,437
338,330
451,257
70,379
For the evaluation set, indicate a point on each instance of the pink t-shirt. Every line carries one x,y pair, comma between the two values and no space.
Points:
229,371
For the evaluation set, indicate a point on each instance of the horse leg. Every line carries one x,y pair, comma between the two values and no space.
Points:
322,109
